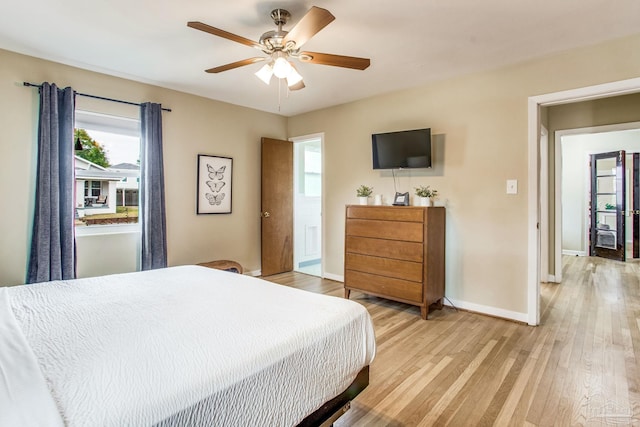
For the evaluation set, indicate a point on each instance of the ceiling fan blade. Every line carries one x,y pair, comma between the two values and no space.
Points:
310,24
236,64
224,34
335,60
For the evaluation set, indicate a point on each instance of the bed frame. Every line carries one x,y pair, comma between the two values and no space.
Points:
336,407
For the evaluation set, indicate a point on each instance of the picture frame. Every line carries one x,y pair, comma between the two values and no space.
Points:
401,199
214,184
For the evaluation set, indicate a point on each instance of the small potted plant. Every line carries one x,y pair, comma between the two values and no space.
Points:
426,195
363,192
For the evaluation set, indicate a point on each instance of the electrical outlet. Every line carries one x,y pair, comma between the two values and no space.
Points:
512,186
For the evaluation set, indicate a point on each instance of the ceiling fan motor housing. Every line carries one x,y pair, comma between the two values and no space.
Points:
272,40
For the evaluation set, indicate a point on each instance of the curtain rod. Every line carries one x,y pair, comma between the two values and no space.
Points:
97,97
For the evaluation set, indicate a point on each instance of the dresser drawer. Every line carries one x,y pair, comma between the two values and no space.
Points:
384,286
398,269
408,251
391,230
386,213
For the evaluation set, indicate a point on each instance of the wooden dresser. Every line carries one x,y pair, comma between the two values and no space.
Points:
396,252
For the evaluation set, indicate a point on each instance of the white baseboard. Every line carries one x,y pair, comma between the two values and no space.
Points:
491,311
254,273
336,277
477,308
573,253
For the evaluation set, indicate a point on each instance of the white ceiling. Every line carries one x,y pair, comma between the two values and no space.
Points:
410,42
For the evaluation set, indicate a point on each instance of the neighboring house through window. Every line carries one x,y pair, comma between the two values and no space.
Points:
107,170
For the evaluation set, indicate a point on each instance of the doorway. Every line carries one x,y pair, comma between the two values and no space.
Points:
575,232
307,203
533,185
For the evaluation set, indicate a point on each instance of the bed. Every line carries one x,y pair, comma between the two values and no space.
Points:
182,346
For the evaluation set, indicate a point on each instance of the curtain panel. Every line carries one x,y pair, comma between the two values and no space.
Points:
52,255
152,202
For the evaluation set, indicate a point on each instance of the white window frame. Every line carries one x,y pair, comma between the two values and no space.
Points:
112,124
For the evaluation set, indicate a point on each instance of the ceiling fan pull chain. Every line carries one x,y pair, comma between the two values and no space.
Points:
279,93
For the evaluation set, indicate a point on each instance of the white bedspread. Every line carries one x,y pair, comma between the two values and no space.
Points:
179,346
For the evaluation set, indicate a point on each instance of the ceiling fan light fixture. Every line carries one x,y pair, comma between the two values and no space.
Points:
265,73
293,77
281,67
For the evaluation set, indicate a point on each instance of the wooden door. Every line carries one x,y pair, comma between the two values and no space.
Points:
608,205
277,206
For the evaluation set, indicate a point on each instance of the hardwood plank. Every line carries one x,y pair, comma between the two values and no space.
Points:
501,396
457,385
581,366
475,399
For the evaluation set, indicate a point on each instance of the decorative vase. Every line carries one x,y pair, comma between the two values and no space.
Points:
425,201
377,200
363,200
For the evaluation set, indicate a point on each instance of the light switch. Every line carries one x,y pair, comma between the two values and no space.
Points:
512,186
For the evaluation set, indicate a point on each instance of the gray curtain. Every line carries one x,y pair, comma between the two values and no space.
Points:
52,254
152,206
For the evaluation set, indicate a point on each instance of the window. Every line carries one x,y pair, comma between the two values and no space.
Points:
107,170
92,188
309,168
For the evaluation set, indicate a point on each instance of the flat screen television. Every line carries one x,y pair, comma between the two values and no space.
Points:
401,150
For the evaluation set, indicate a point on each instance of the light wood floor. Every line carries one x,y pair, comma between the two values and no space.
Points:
581,366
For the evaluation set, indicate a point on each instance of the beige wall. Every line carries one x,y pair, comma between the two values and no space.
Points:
480,122
599,112
196,126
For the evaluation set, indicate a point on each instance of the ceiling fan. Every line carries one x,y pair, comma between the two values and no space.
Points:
281,45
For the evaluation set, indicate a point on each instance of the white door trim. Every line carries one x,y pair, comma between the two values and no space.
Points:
544,204
533,200
558,209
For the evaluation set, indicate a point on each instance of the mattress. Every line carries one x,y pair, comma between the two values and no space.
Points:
181,346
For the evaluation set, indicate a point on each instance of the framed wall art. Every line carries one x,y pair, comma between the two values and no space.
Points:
214,184
401,199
